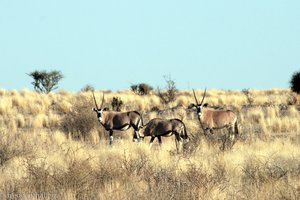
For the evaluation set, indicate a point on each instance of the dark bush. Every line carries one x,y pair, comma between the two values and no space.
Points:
168,94
141,89
87,88
295,82
155,109
116,104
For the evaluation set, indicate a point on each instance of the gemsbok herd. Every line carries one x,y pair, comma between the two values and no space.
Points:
209,118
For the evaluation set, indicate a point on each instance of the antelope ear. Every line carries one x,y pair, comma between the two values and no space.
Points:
105,109
94,109
205,105
191,106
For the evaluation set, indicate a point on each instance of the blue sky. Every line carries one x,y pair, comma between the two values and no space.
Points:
228,44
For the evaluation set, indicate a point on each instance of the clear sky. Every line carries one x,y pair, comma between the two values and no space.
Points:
225,44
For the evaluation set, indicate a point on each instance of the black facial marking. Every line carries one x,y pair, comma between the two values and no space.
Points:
99,112
198,107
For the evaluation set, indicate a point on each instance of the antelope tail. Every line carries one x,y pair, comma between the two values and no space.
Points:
236,129
184,132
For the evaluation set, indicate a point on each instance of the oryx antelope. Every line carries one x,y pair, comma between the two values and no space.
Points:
120,121
211,118
157,128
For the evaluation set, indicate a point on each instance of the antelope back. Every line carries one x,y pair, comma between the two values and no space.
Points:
213,118
116,120
156,126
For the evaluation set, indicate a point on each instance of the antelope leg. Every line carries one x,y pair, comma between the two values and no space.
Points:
178,143
151,142
111,138
231,136
224,142
159,140
137,134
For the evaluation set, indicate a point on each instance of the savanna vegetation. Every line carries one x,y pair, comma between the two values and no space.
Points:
52,147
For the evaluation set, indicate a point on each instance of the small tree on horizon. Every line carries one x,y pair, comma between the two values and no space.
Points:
169,94
44,81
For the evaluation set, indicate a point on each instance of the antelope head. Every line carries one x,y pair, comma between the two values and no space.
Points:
198,105
98,110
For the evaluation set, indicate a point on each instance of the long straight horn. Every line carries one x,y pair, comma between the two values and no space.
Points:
195,97
95,101
141,118
102,101
203,96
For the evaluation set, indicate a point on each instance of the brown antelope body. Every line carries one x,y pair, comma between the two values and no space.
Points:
211,118
120,121
157,128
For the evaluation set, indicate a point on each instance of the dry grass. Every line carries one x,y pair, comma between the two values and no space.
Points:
38,161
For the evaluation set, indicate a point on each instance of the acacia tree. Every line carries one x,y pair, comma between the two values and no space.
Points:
44,81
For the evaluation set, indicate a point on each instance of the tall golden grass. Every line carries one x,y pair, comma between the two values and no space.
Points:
39,161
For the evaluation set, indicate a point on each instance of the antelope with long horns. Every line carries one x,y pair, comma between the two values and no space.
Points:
211,118
120,121
157,128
